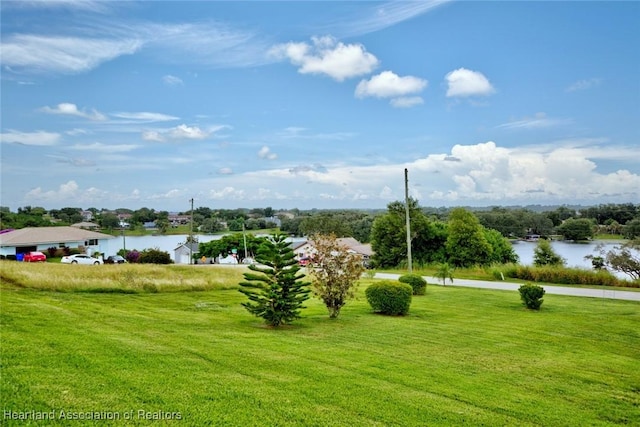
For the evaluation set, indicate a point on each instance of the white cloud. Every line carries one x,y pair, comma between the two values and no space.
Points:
173,193
73,161
265,153
181,132
327,56
68,109
465,83
226,193
538,121
170,80
225,171
145,117
406,102
188,132
77,131
88,5
33,53
105,148
387,84
384,15
67,192
38,138
480,174
210,43
152,135
583,84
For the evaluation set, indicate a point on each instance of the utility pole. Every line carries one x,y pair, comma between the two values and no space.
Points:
408,220
191,234
244,237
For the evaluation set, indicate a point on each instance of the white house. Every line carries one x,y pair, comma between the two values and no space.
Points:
13,242
182,254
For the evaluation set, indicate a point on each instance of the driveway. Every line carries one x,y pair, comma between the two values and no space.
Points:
508,286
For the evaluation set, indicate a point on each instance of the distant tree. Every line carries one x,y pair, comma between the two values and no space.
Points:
576,229
232,243
632,229
325,223
268,212
361,228
620,213
275,290
291,225
335,273
559,215
389,236
109,220
544,254
466,242
162,225
623,258
236,224
255,224
204,211
143,215
210,225
506,221
502,251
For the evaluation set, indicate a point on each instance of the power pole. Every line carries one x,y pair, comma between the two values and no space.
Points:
408,220
191,234
244,237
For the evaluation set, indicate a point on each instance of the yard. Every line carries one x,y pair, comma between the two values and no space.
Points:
162,356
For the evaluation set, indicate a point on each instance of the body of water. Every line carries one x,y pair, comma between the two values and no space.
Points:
573,253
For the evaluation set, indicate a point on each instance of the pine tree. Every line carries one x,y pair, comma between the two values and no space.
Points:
275,291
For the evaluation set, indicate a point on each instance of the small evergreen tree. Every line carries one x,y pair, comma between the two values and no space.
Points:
275,290
544,254
531,296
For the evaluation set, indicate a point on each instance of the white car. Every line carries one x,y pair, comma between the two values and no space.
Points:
81,259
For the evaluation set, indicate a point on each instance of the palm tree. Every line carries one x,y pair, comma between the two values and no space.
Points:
445,272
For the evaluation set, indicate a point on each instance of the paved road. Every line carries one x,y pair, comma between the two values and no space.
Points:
507,286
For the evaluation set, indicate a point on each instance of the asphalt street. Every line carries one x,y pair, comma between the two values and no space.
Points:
508,286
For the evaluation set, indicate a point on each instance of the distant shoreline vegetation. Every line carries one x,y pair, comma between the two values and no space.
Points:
610,221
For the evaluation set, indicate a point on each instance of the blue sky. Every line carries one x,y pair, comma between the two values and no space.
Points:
319,104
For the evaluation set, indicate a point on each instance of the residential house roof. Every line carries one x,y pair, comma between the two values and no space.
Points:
193,246
355,246
85,224
43,235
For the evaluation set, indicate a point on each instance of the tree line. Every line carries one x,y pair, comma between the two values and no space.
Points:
574,223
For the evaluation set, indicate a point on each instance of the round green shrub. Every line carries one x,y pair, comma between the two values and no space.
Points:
154,256
531,296
389,297
417,283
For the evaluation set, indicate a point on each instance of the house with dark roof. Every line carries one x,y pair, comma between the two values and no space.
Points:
184,251
29,239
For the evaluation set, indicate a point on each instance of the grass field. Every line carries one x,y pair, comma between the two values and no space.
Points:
461,356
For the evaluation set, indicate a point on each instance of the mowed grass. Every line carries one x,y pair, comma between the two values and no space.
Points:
461,357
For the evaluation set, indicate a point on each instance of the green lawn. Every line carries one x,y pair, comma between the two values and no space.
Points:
462,356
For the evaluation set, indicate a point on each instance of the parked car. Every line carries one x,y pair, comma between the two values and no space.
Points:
81,259
115,259
34,256
304,261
